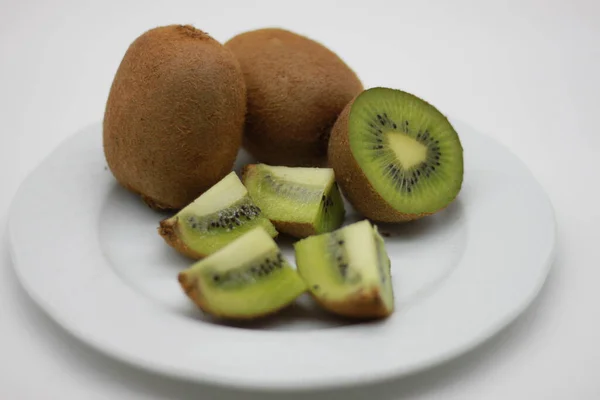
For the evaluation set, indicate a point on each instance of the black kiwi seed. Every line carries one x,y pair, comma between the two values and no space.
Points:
216,278
316,287
340,242
394,126
344,269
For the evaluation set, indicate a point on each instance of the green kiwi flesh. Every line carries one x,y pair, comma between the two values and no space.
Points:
348,271
246,279
219,216
407,149
300,201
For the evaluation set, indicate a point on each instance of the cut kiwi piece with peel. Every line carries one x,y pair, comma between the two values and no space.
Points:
299,201
395,156
247,279
348,271
219,216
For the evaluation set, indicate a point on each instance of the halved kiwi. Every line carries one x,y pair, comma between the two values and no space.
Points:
348,271
247,279
396,157
220,215
299,201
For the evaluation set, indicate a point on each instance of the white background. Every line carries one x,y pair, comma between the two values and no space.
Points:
524,72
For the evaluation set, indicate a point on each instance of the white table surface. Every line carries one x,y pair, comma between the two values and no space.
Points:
524,72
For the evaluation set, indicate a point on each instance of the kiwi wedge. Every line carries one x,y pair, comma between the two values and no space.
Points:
299,201
396,157
216,218
247,279
348,271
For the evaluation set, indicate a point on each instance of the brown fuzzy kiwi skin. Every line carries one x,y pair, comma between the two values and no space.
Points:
297,230
296,89
174,116
192,290
363,304
169,230
353,182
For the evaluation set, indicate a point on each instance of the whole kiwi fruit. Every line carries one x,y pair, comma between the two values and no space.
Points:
296,90
174,117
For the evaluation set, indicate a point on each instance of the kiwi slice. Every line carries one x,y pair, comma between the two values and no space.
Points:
397,158
348,271
300,201
220,215
246,279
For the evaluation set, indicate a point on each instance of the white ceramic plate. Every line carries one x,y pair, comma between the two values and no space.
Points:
89,254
